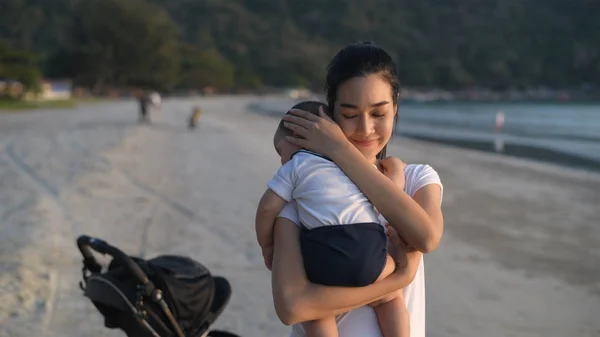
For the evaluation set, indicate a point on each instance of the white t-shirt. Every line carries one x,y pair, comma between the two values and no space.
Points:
362,322
325,196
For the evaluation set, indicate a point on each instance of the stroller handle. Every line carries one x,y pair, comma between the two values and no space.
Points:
86,244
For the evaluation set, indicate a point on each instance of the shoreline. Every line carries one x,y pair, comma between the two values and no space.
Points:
13,106
542,155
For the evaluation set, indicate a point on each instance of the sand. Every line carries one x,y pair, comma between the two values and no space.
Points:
519,256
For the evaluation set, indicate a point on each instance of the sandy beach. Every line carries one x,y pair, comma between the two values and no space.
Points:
519,256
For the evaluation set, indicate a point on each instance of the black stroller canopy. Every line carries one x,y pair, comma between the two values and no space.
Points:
169,295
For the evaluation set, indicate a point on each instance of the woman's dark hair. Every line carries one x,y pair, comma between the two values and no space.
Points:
357,60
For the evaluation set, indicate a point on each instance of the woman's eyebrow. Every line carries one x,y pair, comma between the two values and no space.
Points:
374,105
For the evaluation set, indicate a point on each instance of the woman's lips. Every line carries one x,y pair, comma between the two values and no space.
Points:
364,142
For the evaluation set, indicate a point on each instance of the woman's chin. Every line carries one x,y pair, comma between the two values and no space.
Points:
370,155
369,151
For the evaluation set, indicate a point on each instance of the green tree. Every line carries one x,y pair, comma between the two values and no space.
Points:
21,66
123,43
207,68
247,79
451,43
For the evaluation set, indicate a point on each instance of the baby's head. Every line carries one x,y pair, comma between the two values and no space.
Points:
284,148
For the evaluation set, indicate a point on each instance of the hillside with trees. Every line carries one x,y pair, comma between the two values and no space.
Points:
228,44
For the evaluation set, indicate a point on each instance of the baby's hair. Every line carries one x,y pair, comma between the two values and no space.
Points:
308,106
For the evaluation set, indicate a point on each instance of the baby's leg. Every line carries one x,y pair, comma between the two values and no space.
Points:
391,310
388,269
324,327
393,316
390,266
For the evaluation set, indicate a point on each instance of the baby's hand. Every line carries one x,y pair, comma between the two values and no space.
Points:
267,253
393,168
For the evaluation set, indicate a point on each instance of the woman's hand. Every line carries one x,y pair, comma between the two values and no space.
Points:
400,251
316,133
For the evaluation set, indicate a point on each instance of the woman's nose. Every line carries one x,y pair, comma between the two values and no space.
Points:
365,125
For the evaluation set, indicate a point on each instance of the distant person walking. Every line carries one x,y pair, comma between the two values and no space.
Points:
144,102
148,101
498,127
499,123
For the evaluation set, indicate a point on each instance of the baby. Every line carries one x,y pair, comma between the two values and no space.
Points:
342,240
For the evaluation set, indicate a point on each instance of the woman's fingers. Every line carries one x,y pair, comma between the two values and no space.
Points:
304,114
303,143
396,239
323,114
393,235
296,129
297,120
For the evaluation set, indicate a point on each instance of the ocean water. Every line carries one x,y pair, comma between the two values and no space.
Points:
563,133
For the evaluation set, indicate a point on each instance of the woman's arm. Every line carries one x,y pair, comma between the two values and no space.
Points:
419,221
297,300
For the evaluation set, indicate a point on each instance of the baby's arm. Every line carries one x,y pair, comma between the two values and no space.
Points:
280,190
268,208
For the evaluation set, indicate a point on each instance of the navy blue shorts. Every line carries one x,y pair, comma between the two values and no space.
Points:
344,255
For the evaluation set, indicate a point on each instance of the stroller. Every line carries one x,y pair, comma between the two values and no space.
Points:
167,296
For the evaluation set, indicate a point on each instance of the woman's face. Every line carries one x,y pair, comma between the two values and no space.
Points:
365,111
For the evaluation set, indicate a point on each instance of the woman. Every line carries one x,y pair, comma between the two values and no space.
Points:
362,89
